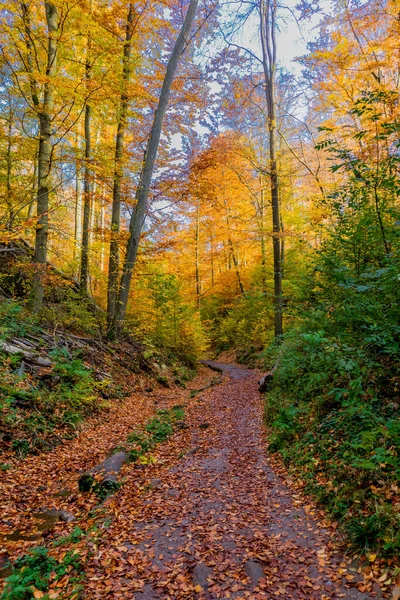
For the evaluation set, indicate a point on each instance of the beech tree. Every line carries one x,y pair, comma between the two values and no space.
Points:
142,193
43,106
268,10
113,265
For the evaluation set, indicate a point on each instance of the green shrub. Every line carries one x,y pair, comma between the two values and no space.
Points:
157,430
32,572
31,410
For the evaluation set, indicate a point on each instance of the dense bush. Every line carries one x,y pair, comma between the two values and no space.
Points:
162,318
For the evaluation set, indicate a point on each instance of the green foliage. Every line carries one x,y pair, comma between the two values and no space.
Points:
141,442
33,570
35,411
244,325
160,429
106,488
16,320
333,406
165,320
156,431
73,538
67,309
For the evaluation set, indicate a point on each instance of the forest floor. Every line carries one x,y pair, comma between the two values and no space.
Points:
209,517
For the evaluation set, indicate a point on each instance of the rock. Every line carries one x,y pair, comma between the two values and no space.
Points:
204,425
40,361
193,450
53,514
109,470
265,382
253,571
154,482
200,574
181,425
66,516
21,369
102,376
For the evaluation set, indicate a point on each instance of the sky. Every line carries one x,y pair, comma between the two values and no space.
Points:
292,37
292,40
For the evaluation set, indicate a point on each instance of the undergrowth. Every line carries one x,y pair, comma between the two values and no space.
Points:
333,407
141,441
36,410
34,572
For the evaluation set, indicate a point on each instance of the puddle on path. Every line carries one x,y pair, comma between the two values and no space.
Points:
48,519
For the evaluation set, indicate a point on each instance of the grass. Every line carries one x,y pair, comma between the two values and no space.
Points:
156,431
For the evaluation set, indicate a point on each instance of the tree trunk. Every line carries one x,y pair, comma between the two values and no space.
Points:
10,218
268,10
86,186
143,188
31,207
113,264
231,253
45,159
78,201
235,264
212,260
262,238
102,224
197,258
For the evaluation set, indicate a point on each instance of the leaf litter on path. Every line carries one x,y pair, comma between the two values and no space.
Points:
209,518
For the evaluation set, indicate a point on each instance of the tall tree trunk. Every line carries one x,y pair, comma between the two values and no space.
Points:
10,218
146,174
45,158
31,207
102,224
197,256
268,10
231,253
87,184
262,238
235,264
282,250
78,200
113,264
212,259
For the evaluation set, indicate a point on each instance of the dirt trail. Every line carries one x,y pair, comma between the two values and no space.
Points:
211,519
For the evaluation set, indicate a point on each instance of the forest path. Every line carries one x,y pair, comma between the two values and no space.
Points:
211,519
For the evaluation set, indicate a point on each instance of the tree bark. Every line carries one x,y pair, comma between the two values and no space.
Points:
197,257
10,218
113,264
231,253
262,238
45,110
146,174
31,207
78,201
268,10
87,184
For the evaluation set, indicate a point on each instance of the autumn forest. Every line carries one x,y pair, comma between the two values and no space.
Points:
199,294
